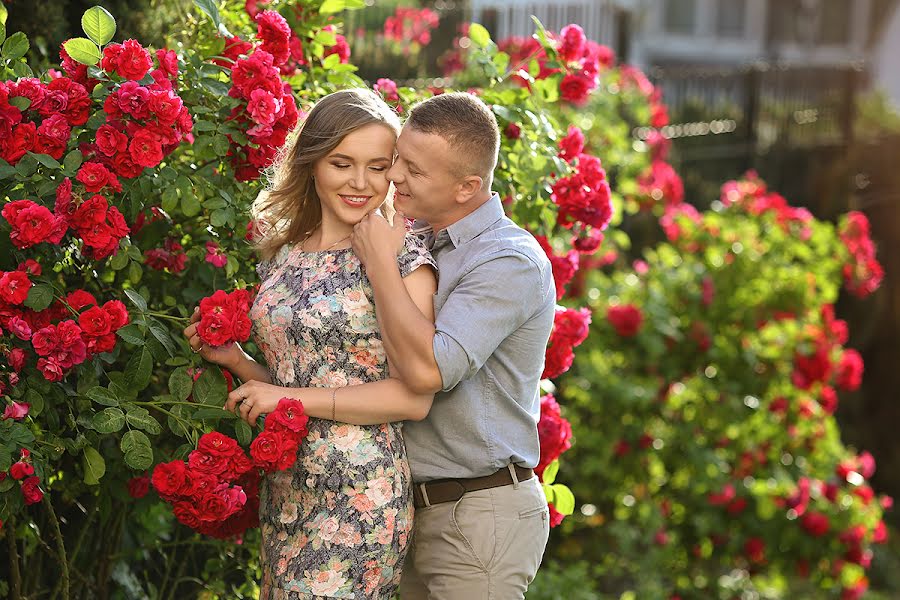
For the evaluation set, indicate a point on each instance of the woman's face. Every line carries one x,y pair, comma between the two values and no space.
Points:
351,180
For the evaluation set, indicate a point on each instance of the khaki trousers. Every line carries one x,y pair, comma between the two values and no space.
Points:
486,545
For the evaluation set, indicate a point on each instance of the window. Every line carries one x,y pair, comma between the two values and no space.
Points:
730,18
680,16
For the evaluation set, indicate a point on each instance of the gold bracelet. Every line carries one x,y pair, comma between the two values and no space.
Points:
333,394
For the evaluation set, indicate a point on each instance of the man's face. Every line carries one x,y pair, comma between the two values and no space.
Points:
424,176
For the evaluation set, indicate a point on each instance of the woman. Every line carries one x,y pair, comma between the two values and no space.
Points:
337,523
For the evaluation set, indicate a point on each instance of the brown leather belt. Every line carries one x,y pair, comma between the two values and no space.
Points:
451,490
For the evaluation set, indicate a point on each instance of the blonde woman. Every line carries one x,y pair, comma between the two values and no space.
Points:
338,523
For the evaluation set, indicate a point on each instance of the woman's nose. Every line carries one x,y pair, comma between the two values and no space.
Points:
359,179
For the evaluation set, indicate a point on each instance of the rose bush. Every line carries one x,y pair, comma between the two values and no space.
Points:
127,183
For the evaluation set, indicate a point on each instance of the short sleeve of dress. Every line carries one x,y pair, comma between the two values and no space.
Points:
414,255
265,267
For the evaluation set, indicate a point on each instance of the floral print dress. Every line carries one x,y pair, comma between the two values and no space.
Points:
337,524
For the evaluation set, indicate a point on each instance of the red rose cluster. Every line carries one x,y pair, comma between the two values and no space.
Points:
23,472
815,367
570,328
862,273
584,197
554,431
660,183
409,24
632,78
626,319
216,491
223,318
45,124
267,111
752,196
564,267
59,341
584,59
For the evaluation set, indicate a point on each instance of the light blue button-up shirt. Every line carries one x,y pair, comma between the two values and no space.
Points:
495,305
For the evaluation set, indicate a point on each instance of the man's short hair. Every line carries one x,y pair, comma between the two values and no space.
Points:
468,125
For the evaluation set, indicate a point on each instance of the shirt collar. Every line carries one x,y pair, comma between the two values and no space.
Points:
476,222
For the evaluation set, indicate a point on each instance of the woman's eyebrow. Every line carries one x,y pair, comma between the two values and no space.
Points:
351,159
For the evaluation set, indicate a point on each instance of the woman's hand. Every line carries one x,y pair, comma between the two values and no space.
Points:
229,356
256,398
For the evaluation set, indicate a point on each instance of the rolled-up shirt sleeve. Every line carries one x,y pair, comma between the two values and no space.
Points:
490,302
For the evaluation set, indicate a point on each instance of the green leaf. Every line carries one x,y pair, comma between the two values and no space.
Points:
39,297
331,61
16,46
479,35
72,161
108,420
99,25
20,102
94,465
131,334
190,206
6,170
3,14
564,500
2,25
180,384
83,50
549,475
209,7
103,396
46,160
137,300
330,7
138,370
212,413
210,388
35,401
142,419
161,334
221,145
134,272
326,38
242,432
137,449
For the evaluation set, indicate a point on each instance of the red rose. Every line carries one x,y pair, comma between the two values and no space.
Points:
31,490
125,166
79,299
165,105
572,41
21,470
138,486
94,176
117,313
50,369
263,107
576,88
110,141
168,62
557,360
66,98
849,370
92,211
626,319
171,479
815,523
17,359
14,286
288,415
755,550
24,138
274,450
16,410
187,514
275,34
210,464
555,516
571,146
32,224
132,61
145,149
554,431
95,322
810,368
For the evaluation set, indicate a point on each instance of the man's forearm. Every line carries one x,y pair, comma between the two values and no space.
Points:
408,335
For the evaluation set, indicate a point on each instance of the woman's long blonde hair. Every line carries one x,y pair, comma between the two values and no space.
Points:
290,209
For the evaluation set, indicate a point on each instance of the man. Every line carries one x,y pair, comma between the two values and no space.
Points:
481,522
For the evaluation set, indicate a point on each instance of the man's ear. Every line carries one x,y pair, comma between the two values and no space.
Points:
468,188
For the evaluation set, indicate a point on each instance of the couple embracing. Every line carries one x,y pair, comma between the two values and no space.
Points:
416,355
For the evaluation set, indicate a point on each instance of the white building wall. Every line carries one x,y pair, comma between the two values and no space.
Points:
886,60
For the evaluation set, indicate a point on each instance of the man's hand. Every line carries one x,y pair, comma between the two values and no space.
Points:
255,398
375,241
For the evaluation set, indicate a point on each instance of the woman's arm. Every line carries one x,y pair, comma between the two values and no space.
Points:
366,404
231,357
